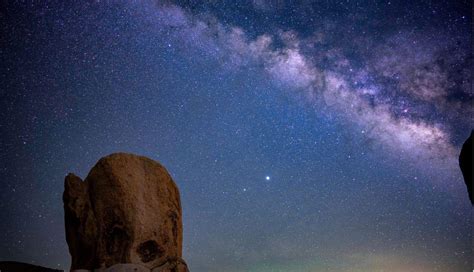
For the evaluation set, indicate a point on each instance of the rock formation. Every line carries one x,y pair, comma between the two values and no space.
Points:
127,211
23,267
465,162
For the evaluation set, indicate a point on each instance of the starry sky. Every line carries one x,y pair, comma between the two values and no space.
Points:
303,135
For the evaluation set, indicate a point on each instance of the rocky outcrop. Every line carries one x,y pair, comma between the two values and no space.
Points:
465,162
126,211
23,267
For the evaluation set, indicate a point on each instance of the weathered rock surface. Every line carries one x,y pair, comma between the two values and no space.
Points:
465,162
127,211
171,265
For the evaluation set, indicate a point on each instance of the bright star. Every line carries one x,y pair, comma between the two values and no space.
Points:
267,177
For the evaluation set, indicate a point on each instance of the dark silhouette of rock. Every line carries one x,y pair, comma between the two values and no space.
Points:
465,162
127,211
23,267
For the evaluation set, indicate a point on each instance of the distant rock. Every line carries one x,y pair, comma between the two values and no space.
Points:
127,212
23,267
465,162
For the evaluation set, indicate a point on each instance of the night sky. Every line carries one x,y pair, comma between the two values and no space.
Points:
303,135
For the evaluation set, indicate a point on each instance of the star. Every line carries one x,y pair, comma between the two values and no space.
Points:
267,177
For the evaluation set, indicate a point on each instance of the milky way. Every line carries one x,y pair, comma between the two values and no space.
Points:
311,136
392,92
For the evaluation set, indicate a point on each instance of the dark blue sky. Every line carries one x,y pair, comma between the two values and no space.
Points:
355,111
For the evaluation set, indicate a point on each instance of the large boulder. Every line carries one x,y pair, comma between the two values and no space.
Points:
126,211
465,162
